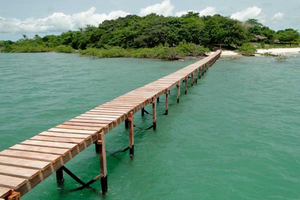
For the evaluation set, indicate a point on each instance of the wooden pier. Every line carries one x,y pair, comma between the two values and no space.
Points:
25,165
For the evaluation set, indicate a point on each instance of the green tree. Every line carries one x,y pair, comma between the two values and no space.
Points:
288,36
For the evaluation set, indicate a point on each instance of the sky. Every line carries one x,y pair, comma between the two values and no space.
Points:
31,17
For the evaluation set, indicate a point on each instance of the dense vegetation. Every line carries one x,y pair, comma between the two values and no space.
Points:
155,36
247,49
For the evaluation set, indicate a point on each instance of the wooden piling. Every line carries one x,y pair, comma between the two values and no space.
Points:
178,92
103,164
196,75
59,175
186,84
131,134
192,80
167,102
154,113
143,112
126,124
157,99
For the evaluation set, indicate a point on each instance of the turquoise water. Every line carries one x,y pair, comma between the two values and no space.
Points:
234,136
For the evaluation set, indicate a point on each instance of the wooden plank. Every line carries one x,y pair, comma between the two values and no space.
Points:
106,117
80,127
85,124
19,162
89,121
4,192
18,172
95,118
104,114
72,131
49,144
108,111
30,155
13,182
112,108
65,135
38,149
58,139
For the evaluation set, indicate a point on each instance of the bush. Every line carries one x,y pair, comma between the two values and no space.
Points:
247,49
282,58
64,49
160,52
191,49
267,54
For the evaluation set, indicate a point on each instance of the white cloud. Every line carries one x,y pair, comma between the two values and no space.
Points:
57,22
278,17
204,12
164,8
249,13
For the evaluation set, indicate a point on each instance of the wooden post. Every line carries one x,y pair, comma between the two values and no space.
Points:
192,81
201,72
196,75
143,112
186,82
154,113
59,175
14,196
157,99
167,102
178,92
131,134
126,123
103,164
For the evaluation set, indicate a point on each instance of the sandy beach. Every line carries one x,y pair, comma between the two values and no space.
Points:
276,51
279,50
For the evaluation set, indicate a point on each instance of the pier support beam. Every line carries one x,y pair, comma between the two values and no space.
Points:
192,80
131,134
167,102
14,196
178,92
126,123
59,175
157,100
186,83
143,112
154,113
196,75
103,164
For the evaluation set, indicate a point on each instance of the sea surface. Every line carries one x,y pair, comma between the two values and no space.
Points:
236,135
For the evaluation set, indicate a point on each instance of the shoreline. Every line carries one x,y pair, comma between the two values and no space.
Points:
274,51
225,53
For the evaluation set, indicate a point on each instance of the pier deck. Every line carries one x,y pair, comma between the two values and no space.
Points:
23,166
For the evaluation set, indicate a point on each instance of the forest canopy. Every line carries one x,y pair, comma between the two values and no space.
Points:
135,32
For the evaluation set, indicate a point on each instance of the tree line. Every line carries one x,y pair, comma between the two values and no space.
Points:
153,31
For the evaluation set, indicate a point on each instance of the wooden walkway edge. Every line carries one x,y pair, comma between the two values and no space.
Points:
25,165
